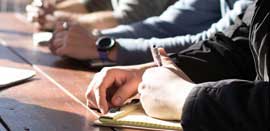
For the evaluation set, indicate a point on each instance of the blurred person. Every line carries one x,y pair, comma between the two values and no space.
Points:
91,14
181,25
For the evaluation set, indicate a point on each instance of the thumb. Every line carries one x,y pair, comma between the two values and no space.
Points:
168,62
162,52
165,59
61,51
122,94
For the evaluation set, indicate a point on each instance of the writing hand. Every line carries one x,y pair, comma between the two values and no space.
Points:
112,86
163,90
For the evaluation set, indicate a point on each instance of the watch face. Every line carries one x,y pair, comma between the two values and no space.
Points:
105,43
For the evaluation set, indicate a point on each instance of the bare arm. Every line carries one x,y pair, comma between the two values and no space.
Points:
74,6
98,20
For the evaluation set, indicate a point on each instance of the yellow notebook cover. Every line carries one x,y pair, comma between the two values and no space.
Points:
133,116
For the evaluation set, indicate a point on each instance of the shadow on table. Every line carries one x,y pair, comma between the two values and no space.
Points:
13,32
17,83
37,57
28,117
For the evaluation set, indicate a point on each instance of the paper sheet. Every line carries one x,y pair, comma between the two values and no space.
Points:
9,76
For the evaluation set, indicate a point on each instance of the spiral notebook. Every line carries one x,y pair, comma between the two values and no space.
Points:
133,116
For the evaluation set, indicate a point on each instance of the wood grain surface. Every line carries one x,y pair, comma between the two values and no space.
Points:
54,99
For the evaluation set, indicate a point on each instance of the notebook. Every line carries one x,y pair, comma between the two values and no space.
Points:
133,116
10,76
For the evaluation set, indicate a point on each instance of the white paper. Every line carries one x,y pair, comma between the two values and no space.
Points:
9,75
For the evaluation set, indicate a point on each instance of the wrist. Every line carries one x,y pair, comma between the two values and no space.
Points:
182,98
107,48
140,69
112,54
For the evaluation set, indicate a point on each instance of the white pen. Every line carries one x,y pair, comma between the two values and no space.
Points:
156,55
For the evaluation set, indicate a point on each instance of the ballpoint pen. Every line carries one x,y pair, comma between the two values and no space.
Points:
156,55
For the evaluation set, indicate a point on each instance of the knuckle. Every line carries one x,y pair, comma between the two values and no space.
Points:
87,95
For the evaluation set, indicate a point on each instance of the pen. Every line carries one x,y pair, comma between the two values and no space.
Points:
156,55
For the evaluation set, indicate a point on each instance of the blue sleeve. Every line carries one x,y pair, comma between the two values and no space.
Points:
139,49
184,17
128,11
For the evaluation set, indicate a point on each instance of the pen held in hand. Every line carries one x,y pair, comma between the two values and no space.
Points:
156,55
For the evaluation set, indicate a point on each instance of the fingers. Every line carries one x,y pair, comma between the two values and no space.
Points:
89,94
61,43
62,51
162,52
41,14
91,100
98,88
58,41
111,87
168,62
32,13
122,94
165,59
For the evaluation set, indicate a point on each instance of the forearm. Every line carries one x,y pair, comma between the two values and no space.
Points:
113,54
138,69
98,20
175,21
227,105
130,11
74,6
139,49
142,29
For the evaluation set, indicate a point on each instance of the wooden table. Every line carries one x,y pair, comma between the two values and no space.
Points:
54,99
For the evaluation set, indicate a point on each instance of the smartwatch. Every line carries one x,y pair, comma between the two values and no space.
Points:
104,44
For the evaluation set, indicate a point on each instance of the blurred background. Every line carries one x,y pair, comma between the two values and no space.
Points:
13,5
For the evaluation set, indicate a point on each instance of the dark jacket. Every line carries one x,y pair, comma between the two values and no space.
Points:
231,104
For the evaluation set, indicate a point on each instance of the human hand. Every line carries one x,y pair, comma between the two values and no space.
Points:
163,90
39,12
112,86
75,42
